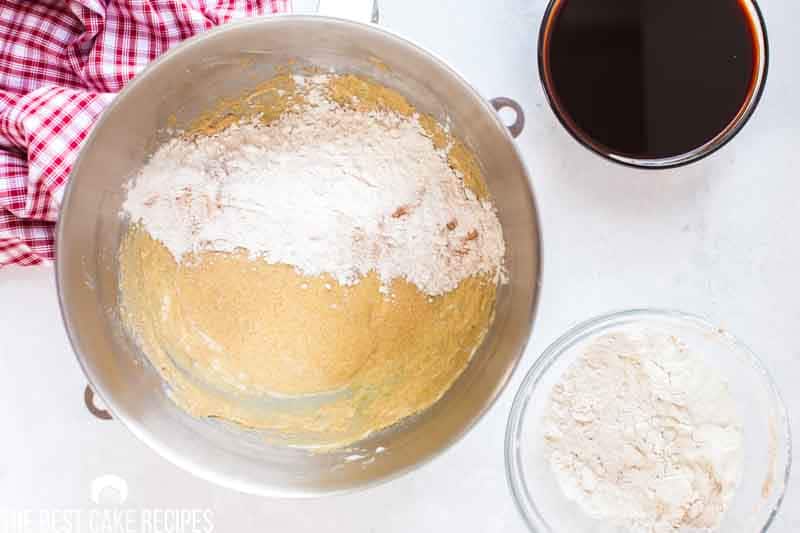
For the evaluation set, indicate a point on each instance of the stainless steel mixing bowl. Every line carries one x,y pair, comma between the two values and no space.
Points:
189,79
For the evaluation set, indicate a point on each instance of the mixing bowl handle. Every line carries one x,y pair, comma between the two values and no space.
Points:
519,116
88,399
358,10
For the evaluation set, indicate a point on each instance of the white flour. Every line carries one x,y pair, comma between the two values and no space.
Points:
641,434
327,190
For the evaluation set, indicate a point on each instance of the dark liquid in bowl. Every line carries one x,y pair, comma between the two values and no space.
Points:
649,79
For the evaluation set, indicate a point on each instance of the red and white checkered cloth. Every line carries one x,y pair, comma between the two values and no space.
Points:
61,62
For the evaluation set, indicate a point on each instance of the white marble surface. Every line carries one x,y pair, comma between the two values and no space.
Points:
719,238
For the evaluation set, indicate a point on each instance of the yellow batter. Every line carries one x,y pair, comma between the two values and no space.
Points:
319,363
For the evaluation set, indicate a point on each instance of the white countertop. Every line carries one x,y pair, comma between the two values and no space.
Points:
719,238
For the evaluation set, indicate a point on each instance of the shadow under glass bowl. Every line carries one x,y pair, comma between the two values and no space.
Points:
767,438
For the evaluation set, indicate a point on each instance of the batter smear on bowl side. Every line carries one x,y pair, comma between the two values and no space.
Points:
323,267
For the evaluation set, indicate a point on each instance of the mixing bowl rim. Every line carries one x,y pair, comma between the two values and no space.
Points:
203,470
515,475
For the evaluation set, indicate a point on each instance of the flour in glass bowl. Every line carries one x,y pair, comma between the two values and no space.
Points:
326,189
641,434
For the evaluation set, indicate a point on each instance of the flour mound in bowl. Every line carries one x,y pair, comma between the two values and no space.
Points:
643,435
343,246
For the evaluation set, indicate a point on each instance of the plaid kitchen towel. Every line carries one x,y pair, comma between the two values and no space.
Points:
61,62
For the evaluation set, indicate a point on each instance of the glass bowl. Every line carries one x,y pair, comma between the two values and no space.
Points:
766,435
